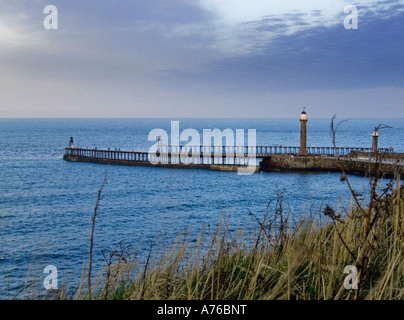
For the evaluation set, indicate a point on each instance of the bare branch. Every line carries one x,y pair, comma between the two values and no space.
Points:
92,235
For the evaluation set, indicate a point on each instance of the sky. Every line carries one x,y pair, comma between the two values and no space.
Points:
201,59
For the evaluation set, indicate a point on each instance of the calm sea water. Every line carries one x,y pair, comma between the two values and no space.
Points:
46,203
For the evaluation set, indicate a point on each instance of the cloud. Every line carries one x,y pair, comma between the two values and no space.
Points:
157,57
317,58
241,26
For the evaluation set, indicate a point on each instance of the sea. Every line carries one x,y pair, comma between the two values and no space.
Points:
47,203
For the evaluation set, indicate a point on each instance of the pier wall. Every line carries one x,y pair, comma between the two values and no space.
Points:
354,165
217,167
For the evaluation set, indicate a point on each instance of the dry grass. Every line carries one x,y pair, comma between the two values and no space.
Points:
281,260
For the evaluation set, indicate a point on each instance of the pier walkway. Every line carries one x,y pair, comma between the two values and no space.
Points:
256,152
213,158
214,155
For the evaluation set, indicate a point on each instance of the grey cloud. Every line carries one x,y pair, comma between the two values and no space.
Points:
323,58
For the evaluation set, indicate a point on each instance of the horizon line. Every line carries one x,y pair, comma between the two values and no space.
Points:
210,118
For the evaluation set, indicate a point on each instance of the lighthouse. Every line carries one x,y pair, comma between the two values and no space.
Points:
375,136
303,133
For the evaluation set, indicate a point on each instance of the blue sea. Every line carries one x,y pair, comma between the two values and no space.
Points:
47,203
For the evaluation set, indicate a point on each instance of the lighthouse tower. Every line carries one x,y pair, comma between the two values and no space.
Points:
375,136
71,143
303,133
